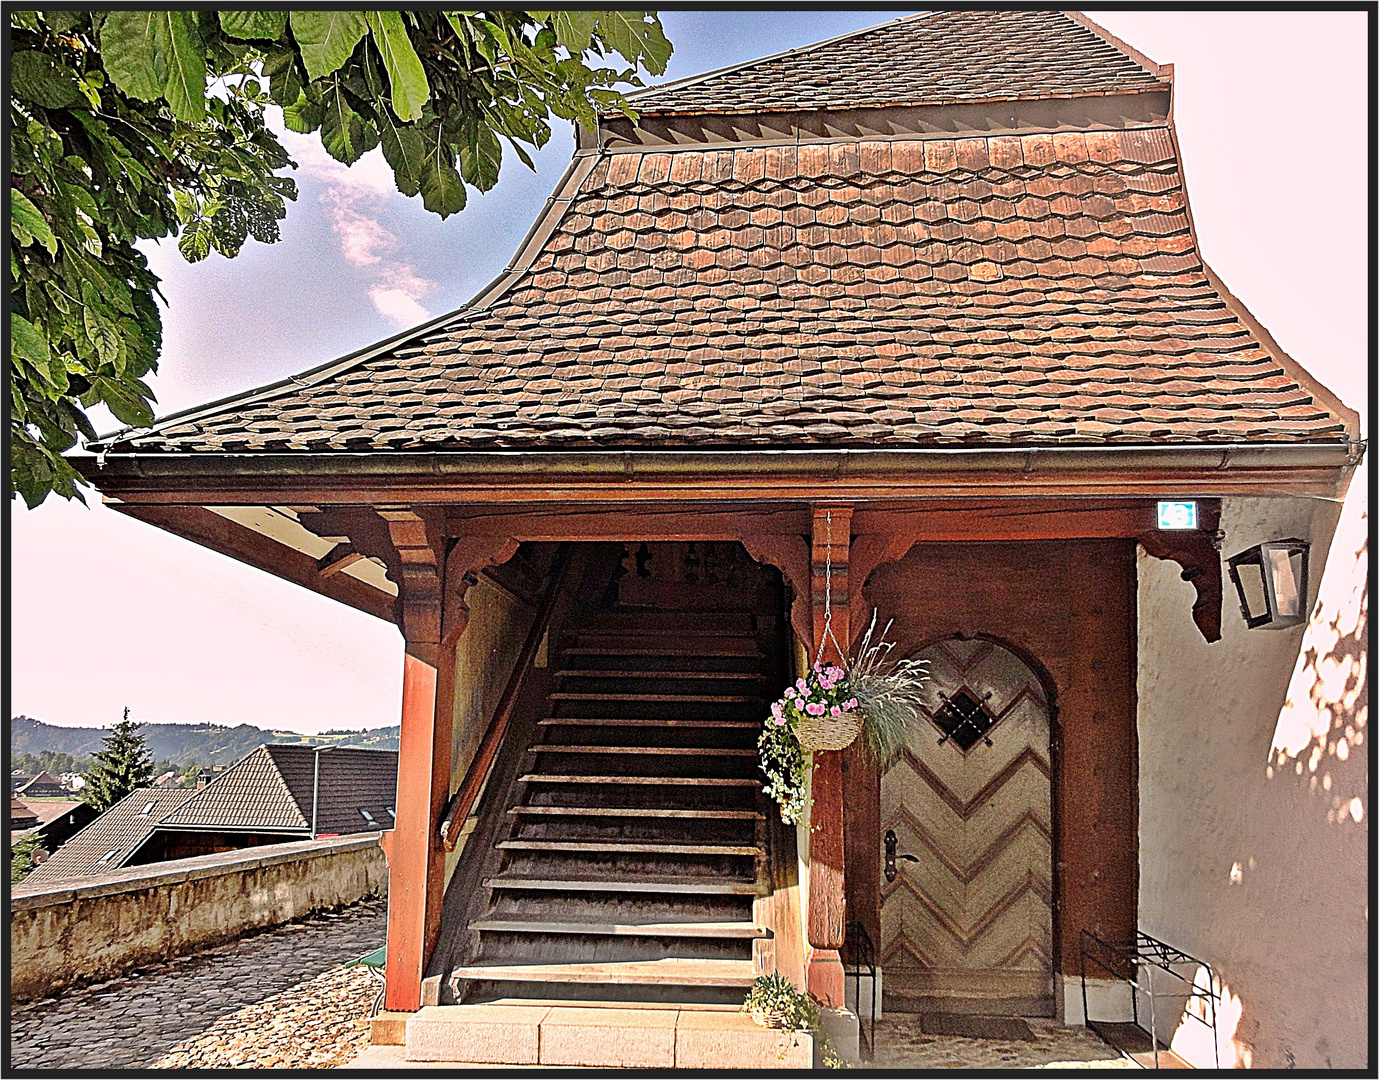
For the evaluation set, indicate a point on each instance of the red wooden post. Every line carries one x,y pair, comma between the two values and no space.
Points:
827,919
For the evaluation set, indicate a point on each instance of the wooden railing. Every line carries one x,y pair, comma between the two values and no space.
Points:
462,802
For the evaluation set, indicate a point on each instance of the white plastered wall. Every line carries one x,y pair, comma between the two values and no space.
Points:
1254,796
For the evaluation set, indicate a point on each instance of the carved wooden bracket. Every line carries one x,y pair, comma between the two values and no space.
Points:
790,555
420,545
870,550
468,555
1198,552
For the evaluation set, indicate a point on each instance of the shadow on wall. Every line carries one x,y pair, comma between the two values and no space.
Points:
1316,764
1322,724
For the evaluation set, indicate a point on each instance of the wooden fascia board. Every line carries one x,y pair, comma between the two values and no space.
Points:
204,527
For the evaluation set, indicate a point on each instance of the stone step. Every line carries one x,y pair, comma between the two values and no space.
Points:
682,781
679,885
670,971
648,751
626,847
579,721
590,1034
677,929
632,811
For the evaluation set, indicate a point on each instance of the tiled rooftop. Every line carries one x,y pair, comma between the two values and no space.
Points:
108,841
1032,290
933,58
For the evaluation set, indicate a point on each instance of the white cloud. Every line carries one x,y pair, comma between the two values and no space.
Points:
354,197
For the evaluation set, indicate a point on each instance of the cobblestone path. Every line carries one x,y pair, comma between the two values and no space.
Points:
135,1020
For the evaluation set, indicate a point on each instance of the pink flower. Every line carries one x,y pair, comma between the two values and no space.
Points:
835,711
777,709
814,708
801,684
835,673
852,703
780,721
818,667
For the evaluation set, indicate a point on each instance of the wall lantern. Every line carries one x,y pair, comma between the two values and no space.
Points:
1177,515
1272,582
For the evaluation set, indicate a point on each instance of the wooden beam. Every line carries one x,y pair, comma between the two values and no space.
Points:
337,559
685,523
826,919
209,529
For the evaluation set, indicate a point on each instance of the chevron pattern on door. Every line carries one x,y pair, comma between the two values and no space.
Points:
969,925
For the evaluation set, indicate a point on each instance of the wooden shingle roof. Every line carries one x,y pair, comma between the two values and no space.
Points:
936,57
1007,290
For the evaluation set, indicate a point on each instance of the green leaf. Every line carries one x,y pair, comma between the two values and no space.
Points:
345,134
256,25
635,38
28,224
131,54
406,78
481,159
126,404
40,79
327,39
442,188
304,115
573,29
27,343
404,149
151,54
186,61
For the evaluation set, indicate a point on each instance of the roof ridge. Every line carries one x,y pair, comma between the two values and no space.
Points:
690,80
1152,66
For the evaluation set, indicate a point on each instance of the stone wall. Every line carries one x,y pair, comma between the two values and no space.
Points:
85,930
1254,792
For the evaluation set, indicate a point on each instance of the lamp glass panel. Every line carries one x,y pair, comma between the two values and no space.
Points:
1285,576
1252,586
1177,515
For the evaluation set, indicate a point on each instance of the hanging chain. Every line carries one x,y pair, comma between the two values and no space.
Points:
827,635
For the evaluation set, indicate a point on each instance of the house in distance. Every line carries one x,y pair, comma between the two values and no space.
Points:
911,322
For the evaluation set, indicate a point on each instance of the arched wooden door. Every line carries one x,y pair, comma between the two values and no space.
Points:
967,925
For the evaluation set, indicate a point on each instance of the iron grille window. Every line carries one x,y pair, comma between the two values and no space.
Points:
964,719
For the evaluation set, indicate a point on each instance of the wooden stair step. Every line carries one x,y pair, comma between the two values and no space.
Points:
670,971
684,930
725,699
578,721
628,846
679,885
632,673
682,781
747,648
633,811
649,751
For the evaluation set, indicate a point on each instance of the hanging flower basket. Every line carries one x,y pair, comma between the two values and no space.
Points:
819,710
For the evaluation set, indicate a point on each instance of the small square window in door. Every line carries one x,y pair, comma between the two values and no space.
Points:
963,719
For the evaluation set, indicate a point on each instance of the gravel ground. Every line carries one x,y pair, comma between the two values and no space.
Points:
319,1024
168,1009
901,1045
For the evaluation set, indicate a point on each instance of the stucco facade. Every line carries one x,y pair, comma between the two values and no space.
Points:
1254,796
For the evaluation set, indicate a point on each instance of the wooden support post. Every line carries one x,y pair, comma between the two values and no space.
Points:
827,918
433,615
416,863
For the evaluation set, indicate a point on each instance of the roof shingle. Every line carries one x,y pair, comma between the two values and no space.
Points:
929,59
1014,290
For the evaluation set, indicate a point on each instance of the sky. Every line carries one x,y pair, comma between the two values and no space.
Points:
108,612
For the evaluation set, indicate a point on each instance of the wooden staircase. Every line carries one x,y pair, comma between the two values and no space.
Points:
636,853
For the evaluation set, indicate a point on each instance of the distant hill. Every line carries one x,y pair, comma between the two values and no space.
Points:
185,744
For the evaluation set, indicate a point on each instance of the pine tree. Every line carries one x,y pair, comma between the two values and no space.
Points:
123,764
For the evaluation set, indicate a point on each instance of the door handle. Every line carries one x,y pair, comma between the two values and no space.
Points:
891,856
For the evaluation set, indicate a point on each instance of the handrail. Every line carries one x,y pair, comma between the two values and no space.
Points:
484,757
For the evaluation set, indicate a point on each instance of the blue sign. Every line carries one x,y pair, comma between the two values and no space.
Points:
1177,515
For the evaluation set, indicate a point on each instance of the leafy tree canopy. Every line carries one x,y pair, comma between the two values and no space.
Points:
133,125
123,764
